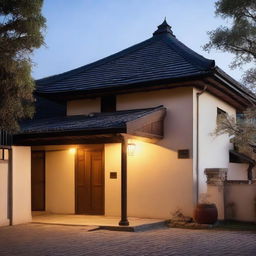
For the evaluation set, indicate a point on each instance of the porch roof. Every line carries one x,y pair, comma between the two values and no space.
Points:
138,122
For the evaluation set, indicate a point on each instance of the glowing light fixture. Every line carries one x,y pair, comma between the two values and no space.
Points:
131,147
72,151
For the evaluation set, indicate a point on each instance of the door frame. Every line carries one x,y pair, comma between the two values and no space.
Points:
91,148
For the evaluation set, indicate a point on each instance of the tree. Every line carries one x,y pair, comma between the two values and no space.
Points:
240,37
240,40
242,131
21,27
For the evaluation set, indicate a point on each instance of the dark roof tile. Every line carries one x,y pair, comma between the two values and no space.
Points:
158,58
91,122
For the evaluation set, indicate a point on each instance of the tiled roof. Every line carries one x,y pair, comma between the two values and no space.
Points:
161,57
86,123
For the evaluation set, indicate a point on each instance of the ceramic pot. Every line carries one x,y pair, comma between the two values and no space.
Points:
206,214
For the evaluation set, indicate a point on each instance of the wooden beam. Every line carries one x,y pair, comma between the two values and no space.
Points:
124,221
54,139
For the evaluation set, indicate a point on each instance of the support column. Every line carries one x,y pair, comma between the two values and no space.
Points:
124,221
216,178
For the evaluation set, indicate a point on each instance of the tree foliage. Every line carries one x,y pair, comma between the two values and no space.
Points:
242,131
21,26
239,38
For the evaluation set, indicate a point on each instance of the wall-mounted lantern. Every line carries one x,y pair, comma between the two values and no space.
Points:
131,147
72,151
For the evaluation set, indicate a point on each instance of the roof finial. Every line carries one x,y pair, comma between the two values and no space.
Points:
164,28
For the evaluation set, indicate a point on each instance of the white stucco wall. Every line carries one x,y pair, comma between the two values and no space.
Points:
60,180
4,193
240,202
21,184
156,188
112,186
83,107
237,171
158,182
213,151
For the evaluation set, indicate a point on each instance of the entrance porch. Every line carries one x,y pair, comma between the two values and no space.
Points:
96,221
93,181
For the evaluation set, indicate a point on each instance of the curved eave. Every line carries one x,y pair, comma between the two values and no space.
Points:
127,88
234,85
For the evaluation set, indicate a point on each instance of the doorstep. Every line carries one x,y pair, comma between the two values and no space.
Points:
97,222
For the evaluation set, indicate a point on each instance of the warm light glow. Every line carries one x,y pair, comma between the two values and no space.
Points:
131,148
72,151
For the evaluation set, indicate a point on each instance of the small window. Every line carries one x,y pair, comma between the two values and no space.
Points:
220,111
108,103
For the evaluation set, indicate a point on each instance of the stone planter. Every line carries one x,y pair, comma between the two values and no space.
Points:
206,214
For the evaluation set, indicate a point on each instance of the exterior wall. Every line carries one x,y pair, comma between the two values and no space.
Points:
237,171
178,125
213,151
83,107
158,182
240,202
112,186
4,193
60,188
21,184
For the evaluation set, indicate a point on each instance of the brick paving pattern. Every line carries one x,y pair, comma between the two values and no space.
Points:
53,240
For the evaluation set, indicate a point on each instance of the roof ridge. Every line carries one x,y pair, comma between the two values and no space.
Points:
96,63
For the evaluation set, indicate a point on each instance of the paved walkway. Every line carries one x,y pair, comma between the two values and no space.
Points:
53,240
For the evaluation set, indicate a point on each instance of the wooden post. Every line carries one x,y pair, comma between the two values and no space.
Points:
124,221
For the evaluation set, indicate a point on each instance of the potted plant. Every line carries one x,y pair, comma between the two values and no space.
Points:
205,212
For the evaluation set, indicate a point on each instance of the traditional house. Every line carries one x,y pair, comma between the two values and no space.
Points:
128,135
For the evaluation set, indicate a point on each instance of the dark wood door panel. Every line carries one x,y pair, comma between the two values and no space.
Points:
38,180
89,181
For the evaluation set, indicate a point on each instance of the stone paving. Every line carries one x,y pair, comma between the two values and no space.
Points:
38,239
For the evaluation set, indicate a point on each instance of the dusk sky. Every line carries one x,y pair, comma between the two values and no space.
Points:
82,31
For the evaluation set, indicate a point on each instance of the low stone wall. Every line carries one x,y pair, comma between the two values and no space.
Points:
235,199
240,201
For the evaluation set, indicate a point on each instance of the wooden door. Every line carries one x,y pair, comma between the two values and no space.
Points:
38,180
89,182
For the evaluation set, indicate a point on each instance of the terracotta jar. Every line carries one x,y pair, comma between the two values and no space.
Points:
206,214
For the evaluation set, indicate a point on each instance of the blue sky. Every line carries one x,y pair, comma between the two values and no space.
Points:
82,31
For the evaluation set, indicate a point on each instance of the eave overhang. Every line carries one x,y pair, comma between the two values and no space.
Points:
148,126
216,83
127,88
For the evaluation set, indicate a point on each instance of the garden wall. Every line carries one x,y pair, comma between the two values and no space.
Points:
240,201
